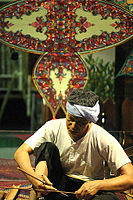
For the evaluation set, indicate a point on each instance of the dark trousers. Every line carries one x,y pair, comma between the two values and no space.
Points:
49,152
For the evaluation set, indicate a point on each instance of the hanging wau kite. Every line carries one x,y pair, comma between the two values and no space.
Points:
127,68
61,32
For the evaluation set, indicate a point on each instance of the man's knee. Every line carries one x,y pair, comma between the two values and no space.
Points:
46,151
49,152
106,196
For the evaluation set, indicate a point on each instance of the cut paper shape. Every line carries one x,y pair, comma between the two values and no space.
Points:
57,75
64,26
128,4
61,32
127,68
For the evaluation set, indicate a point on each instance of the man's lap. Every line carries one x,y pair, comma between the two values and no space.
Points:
49,152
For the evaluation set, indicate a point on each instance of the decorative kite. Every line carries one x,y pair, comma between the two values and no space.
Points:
128,4
55,75
61,31
127,68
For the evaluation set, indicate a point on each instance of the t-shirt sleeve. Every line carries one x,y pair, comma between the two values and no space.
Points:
112,152
44,134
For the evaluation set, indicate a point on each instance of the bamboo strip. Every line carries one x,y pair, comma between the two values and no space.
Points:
12,193
2,195
63,193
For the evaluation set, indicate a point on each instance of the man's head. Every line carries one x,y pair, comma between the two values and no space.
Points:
82,108
83,97
83,103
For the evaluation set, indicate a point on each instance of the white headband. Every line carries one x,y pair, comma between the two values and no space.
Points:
90,113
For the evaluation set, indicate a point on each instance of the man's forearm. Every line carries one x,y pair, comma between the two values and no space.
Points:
90,188
23,160
120,183
41,172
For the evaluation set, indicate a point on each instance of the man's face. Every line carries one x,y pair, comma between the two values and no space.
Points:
77,126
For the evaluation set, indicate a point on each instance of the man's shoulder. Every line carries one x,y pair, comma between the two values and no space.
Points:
56,121
98,127
102,133
99,131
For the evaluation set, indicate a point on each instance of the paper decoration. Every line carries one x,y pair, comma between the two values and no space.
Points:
61,31
56,75
82,26
127,68
128,4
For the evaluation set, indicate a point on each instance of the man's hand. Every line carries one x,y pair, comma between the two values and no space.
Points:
46,187
87,190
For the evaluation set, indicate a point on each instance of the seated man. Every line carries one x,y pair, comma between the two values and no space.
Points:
70,153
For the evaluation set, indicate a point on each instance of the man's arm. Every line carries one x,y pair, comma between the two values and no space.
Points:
23,159
120,183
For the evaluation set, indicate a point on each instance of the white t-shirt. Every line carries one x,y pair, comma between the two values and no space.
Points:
84,158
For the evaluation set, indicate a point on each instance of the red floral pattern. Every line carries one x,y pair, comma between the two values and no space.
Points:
78,77
61,25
